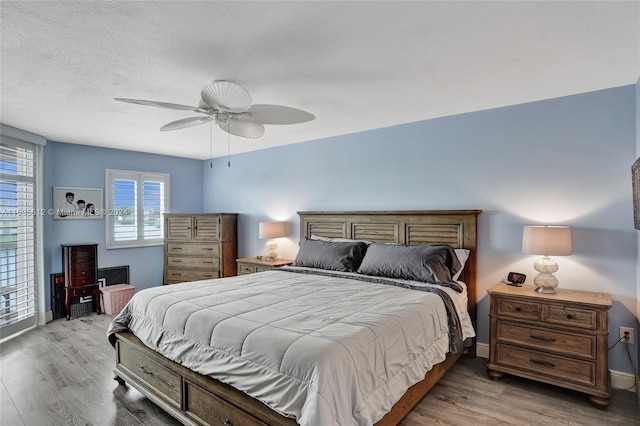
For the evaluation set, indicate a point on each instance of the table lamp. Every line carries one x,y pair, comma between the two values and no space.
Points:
547,241
271,230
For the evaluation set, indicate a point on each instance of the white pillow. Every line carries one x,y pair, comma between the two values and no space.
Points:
463,255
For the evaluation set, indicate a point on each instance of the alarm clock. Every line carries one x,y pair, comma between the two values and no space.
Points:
516,279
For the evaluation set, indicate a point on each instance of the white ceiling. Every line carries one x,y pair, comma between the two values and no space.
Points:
355,65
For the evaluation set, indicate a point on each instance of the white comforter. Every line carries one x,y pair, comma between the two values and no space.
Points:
325,350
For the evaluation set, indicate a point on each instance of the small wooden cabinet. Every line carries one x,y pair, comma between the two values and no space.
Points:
558,338
80,268
251,265
199,246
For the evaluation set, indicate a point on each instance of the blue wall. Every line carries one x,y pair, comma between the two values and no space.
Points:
559,161
70,165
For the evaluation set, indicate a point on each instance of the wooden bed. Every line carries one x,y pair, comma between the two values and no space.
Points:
195,399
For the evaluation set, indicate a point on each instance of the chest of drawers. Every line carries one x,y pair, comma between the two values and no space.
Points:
80,267
199,246
560,339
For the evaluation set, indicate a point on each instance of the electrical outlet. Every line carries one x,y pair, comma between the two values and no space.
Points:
631,333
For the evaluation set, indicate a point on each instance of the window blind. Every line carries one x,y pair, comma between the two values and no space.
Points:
17,233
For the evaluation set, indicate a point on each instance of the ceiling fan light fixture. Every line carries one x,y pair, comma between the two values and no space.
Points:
223,102
226,96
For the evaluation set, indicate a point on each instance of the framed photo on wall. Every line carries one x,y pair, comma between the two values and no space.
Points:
77,203
635,180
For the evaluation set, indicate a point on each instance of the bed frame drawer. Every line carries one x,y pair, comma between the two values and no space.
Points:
152,374
189,397
211,410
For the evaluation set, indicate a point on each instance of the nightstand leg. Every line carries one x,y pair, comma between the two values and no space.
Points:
495,375
599,402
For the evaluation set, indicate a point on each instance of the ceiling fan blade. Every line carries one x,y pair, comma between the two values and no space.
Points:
160,104
243,129
226,96
275,114
184,123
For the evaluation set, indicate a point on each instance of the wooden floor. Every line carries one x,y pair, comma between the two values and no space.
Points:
60,374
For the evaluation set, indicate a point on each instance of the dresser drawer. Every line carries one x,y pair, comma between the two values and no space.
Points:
547,340
85,264
81,254
190,275
213,410
151,373
518,309
82,281
82,292
193,262
88,273
572,317
543,364
211,250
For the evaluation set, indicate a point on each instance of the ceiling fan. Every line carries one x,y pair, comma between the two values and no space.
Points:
229,105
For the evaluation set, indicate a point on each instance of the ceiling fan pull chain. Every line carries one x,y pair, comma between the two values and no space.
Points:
211,145
229,143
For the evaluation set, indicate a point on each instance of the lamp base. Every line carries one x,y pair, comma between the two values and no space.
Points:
547,290
271,253
545,280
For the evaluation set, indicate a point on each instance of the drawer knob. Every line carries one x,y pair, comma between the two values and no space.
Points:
227,422
545,363
518,309
569,316
145,370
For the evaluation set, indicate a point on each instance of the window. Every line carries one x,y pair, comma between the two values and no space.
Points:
136,203
18,218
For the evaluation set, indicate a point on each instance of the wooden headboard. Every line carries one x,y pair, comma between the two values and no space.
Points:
458,228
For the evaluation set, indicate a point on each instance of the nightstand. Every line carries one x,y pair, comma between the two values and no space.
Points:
250,265
560,338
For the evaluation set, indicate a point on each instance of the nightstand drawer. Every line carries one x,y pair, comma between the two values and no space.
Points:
565,369
573,317
251,265
244,269
547,340
519,309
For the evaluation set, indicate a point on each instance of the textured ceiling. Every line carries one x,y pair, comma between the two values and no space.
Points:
355,65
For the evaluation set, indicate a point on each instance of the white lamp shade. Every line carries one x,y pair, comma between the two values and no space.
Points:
547,240
271,230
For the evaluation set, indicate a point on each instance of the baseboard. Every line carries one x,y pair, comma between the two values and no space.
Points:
623,381
482,350
48,316
619,379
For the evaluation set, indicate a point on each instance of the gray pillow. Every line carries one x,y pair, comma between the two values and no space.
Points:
431,264
335,256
